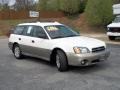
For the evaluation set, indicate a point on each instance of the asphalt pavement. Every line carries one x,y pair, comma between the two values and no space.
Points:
36,74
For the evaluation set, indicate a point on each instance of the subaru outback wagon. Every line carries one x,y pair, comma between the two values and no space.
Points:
56,43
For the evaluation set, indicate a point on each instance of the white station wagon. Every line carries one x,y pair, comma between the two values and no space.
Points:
56,43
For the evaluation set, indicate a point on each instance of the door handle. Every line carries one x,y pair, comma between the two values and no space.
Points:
19,38
33,41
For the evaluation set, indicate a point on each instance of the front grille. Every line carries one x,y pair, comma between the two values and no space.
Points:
98,49
114,29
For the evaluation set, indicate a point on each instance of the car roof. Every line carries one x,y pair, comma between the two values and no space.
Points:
41,23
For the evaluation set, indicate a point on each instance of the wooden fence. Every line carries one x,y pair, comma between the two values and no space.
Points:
4,15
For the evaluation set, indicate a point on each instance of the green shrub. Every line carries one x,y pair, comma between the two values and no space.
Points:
99,12
42,5
69,6
52,5
82,5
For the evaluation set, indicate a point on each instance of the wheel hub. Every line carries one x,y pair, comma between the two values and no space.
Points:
17,52
58,61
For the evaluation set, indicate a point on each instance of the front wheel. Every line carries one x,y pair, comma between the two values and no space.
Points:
61,61
17,51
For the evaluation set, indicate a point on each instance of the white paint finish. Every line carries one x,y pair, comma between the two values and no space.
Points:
112,25
42,24
15,38
66,44
113,34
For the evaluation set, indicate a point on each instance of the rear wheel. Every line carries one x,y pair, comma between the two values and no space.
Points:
112,37
17,51
61,61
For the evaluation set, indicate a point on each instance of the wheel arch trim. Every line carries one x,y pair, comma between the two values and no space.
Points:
54,51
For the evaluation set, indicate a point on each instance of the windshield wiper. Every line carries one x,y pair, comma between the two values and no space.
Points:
65,36
58,37
72,35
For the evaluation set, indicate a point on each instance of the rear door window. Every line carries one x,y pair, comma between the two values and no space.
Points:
28,31
19,30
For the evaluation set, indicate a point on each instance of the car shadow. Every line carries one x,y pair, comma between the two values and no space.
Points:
89,69
76,69
38,60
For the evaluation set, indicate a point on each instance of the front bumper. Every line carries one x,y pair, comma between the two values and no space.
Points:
113,34
90,58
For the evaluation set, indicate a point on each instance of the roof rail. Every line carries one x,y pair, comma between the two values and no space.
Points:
56,22
37,21
48,22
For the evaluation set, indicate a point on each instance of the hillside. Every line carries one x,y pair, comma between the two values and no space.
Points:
78,23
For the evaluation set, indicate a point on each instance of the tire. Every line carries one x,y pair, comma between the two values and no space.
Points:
112,37
17,52
61,61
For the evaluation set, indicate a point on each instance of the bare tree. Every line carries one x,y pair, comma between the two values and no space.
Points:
4,1
4,5
24,4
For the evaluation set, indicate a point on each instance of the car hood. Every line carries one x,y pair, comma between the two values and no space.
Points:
114,25
79,41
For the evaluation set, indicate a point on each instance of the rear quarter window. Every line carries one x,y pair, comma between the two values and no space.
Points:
19,30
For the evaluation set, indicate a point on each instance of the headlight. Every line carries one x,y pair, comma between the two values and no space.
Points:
81,50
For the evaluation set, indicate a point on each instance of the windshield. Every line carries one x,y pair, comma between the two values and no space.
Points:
60,31
117,20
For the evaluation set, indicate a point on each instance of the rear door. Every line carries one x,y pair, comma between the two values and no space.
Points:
26,42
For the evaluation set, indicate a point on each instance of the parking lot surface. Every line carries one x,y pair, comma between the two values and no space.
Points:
36,74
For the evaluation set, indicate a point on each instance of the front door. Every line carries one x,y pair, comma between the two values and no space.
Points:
40,44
